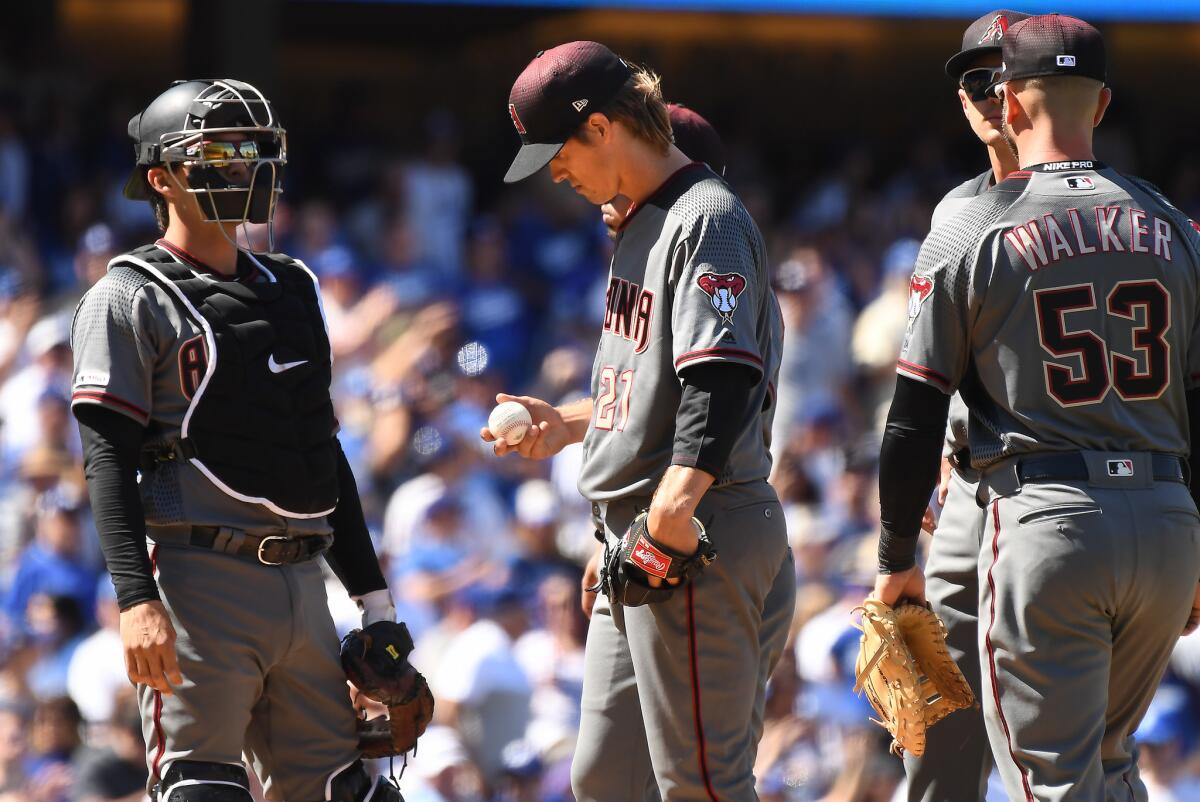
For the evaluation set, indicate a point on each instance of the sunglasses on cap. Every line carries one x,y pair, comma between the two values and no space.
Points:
976,82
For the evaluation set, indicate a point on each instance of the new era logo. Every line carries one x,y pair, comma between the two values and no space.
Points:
1065,61
580,104
1120,467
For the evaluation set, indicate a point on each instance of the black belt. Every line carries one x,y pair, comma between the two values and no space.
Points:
267,549
1072,467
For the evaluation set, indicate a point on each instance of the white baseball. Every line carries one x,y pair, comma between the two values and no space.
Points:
509,422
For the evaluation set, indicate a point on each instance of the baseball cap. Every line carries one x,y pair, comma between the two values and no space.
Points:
982,36
697,138
1052,44
553,96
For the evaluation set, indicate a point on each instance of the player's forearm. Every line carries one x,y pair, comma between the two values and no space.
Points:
576,416
713,409
909,461
352,555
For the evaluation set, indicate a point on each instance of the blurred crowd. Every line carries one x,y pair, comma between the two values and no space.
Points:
437,301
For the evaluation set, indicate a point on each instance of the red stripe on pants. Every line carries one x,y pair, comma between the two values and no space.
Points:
703,750
992,652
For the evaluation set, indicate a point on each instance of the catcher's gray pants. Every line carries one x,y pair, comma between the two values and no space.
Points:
958,757
1085,587
261,673
673,693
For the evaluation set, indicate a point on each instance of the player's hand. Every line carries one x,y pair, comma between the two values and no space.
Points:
944,482
929,521
891,588
545,438
149,640
1193,621
676,532
591,576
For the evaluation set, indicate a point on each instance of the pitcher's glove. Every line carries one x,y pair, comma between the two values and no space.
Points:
375,660
909,676
625,576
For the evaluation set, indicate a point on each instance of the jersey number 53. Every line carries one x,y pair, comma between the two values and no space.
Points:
1142,377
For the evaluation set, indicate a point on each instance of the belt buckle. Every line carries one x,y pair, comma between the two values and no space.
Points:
262,544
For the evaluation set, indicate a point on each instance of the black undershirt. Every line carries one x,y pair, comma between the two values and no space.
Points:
909,462
111,448
712,411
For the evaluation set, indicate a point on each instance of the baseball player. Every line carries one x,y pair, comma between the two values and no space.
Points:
958,758
206,369
677,427
1063,303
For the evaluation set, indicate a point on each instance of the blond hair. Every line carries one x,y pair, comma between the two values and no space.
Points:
639,106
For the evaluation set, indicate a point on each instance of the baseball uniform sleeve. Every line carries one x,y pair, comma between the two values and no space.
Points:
936,346
113,343
718,267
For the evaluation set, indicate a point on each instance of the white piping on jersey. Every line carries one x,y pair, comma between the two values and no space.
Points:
320,304
211,341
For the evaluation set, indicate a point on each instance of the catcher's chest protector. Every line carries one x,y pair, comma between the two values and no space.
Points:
260,424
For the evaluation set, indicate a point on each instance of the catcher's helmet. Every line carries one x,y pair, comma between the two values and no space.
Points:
191,124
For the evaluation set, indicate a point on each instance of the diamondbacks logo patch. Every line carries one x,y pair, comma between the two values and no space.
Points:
512,112
994,32
919,288
1195,225
1120,467
723,290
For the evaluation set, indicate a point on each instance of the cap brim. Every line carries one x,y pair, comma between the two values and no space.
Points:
957,64
135,187
531,158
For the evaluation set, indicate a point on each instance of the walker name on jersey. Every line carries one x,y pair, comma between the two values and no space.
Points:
627,312
1053,237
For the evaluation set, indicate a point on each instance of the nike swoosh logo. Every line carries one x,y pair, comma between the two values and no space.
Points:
276,367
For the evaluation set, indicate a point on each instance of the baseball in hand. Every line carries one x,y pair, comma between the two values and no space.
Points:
509,422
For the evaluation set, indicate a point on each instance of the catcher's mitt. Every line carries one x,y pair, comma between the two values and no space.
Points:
909,676
627,568
375,660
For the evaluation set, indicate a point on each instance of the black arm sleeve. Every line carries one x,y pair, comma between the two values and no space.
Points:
352,555
1193,404
711,413
908,468
111,445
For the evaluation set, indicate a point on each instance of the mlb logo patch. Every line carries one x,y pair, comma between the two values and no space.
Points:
1065,61
1120,467
1080,182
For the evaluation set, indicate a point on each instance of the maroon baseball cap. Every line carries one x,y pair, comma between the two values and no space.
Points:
553,96
982,36
1052,44
696,137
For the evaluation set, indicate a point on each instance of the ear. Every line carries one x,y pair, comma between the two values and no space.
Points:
600,126
162,182
1012,107
1102,106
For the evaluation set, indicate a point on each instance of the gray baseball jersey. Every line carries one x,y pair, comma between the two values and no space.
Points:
688,284
1064,304
1089,270
136,354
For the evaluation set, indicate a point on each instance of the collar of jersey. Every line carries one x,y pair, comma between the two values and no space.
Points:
1057,166
246,271
634,208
